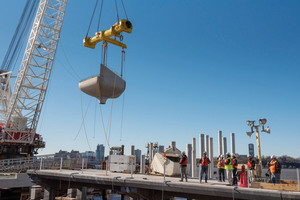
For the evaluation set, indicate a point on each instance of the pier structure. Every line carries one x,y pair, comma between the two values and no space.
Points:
220,143
232,142
142,164
150,152
193,163
211,158
201,145
206,141
139,186
206,145
224,145
189,155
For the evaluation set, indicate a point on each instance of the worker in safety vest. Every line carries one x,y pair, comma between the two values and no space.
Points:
221,168
251,167
204,161
183,162
234,169
228,167
275,170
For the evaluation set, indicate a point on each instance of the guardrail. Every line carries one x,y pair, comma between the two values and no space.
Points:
18,165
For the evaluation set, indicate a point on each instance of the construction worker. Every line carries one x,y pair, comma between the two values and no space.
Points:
204,161
221,169
275,170
234,168
183,162
228,167
251,167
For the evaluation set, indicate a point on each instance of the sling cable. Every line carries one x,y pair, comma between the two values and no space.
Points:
106,85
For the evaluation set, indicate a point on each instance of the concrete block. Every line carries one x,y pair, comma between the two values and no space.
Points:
81,193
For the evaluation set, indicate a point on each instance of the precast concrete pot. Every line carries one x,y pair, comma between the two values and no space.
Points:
106,85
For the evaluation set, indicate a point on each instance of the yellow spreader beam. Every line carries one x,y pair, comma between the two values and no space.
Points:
123,25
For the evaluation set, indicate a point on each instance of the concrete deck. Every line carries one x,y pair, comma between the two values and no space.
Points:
15,181
152,187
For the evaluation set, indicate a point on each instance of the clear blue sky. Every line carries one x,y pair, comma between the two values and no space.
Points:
191,67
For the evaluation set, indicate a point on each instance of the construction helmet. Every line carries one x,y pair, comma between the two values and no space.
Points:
233,155
273,156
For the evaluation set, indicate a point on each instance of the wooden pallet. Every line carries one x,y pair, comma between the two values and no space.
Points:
285,185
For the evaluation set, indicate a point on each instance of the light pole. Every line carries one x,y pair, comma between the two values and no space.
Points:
262,122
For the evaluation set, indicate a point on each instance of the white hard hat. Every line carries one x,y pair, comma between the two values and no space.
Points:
233,155
273,156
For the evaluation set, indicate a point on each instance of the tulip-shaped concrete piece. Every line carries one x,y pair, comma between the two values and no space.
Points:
107,85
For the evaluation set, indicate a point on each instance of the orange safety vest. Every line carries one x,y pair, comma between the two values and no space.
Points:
250,164
204,162
185,162
221,164
233,165
273,166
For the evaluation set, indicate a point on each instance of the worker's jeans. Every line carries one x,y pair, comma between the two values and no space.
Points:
234,174
204,170
229,176
251,175
221,174
183,173
275,178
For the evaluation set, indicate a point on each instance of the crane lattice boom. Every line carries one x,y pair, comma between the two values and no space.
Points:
24,107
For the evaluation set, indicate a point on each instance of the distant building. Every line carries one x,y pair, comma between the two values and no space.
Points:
68,155
100,153
75,154
89,155
251,149
161,148
62,154
242,156
138,153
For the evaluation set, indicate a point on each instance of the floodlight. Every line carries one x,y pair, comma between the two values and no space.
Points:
262,121
267,130
249,133
250,123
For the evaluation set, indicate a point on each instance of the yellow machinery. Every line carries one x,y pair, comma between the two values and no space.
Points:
107,85
123,25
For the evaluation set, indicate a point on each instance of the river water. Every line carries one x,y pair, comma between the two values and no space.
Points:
286,174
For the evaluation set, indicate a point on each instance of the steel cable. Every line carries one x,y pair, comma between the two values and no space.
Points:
117,10
92,18
100,16
20,35
124,9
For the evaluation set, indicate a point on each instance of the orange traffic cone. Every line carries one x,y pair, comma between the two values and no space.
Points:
243,178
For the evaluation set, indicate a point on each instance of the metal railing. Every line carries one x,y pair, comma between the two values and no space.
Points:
18,165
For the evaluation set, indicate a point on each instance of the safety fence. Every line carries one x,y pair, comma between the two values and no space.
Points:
19,165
